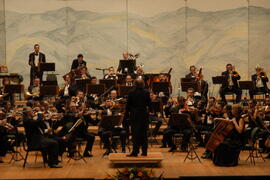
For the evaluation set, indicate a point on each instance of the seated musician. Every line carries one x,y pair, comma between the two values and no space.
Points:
231,84
227,153
213,110
37,139
78,63
126,70
155,114
113,96
35,88
70,118
139,73
260,81
7,96
111,74
128,81
69,88
84,74
172,129
109,108
4,128
93,80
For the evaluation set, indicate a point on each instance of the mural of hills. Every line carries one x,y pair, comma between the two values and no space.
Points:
210,40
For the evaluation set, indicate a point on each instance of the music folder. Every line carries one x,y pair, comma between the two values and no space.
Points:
124,90
186,85
13,88
95,89
49,90
248,85
160,87
219,80
109,122
82,83
108,82
46,67
181,121
127,66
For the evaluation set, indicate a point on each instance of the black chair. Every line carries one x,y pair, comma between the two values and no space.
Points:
28,148
77,152
252,146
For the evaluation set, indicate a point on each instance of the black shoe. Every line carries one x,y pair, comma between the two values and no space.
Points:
55,166
132,155
207,155
172,149
144,154
163,146
87,154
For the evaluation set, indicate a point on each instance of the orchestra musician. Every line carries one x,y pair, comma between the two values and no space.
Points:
110,109
231,85
111,74
227,153
36,138
78,63
259,80
128,80
123,69
34,59
34,89
84,74
193,72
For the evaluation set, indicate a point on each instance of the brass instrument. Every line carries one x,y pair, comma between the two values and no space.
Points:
262,74
234,72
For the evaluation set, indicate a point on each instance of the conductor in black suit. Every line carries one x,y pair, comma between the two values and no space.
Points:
231,84
35,58
138,102
79,62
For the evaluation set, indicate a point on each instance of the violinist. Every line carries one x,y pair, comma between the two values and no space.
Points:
106,134
70,118
171,130
227,153
259,80
37,139
111,74
231,85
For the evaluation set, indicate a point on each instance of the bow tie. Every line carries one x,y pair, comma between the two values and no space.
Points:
36,54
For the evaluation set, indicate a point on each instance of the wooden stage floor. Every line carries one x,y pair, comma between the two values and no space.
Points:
97,167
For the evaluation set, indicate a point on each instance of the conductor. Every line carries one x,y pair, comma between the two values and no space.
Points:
137,103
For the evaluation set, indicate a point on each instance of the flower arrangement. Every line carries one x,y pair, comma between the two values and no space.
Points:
134,173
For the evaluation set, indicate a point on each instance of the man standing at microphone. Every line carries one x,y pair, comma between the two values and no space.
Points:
137,103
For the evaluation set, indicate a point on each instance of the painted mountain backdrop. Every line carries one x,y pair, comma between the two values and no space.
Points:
174,39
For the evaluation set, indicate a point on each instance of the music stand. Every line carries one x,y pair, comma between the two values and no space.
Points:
127,66
181,121
246,85
124,90
95,89
186,85
46,67
82,83
49,90
161,87
108,82
218,80
186,80
13,88
109,122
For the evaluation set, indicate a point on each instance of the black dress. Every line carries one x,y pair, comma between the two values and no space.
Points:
227,153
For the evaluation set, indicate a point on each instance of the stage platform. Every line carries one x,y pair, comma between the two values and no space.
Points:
121,158
98,167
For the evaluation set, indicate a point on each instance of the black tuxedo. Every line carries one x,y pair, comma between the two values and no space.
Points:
190,76
255,89
137,102
33,71
36,139
234,88
76,64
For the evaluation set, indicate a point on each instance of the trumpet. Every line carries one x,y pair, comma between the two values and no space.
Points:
263,74
234,72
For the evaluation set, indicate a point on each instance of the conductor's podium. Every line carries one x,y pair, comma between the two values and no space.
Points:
121,158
